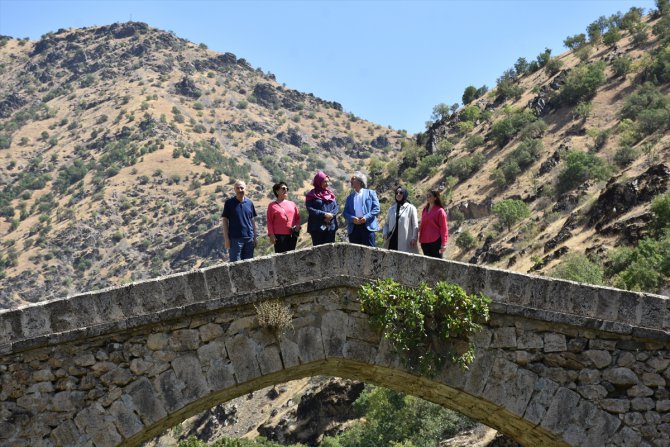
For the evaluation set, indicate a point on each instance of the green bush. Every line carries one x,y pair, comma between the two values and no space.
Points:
510,211
463,167
466,241
411,318
522,157
622,65
474,141
578,267
625,155
580,167
582,83
660,209
643,268
553,66
504,130
649,107
574,42
391,418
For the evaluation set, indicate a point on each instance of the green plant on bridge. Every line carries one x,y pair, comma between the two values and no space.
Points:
274,315
417,320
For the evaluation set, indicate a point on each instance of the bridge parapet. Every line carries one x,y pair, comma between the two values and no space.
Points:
558,364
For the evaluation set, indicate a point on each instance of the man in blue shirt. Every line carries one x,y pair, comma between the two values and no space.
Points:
360,211
239,227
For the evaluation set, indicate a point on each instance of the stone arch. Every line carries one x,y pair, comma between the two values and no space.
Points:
554,366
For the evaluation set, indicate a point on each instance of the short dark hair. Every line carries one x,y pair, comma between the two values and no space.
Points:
277,186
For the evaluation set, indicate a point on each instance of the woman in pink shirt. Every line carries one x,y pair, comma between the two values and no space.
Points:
283,220
433,231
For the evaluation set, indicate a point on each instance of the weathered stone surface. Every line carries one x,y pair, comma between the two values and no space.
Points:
600,359
556,372
620,376
554,343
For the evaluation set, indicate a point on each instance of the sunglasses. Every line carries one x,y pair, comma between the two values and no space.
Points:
283,188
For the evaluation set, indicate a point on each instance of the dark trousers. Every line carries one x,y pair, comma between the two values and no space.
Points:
322,237
432,249
285,242
362,236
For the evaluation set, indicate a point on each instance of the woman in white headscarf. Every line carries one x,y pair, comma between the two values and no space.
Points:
401,228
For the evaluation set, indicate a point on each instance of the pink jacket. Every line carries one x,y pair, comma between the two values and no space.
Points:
434,226
282,216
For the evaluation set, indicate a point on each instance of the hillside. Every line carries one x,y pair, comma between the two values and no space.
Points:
582,139
118,146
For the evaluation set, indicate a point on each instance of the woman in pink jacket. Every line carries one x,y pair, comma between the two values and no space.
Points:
283,220
433,231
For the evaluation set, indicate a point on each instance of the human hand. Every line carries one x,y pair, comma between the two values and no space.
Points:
226,243
412,243
442,250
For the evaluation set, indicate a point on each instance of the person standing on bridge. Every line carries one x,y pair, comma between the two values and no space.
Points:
239,227
283,220
361,210
401,229
433,232
322,208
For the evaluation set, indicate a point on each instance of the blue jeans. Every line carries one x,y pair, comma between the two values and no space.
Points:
241,249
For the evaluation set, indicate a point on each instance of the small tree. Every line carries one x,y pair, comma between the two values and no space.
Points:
574,42
469,95
580,167
510,211
578,267
660,208
466,241
521,66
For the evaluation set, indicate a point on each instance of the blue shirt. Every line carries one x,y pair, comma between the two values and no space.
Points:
240,217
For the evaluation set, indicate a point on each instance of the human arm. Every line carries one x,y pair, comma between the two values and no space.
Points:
349,212
226,239
270,219
444,229
413,226
296,217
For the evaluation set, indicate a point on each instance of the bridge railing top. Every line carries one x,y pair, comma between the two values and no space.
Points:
318,268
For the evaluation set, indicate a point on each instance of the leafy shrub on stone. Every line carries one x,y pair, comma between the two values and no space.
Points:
410,318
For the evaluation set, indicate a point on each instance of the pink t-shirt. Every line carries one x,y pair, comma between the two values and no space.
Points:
433,226
282,216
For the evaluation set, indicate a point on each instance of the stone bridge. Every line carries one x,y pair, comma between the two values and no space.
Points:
558,364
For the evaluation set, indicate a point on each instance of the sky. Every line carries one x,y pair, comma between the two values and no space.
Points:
386,61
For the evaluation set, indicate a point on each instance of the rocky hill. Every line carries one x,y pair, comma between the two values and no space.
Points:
118,145
582,139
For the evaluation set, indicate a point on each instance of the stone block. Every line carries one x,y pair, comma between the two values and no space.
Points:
530,340
653,311
210,331
188,370
220,374
310,345
509,386
653,380
184,340
642,404
663,406
66,434
334,330
478,372
359,350
600,358
620,376
618,406
253,275
243,357
540,400
289,351
125,419
593,393
269,360
558,417
35,321
584,300
629,307
143,396
554,342
218,282
504,337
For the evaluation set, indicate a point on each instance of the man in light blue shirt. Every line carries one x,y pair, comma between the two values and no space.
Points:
360,211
